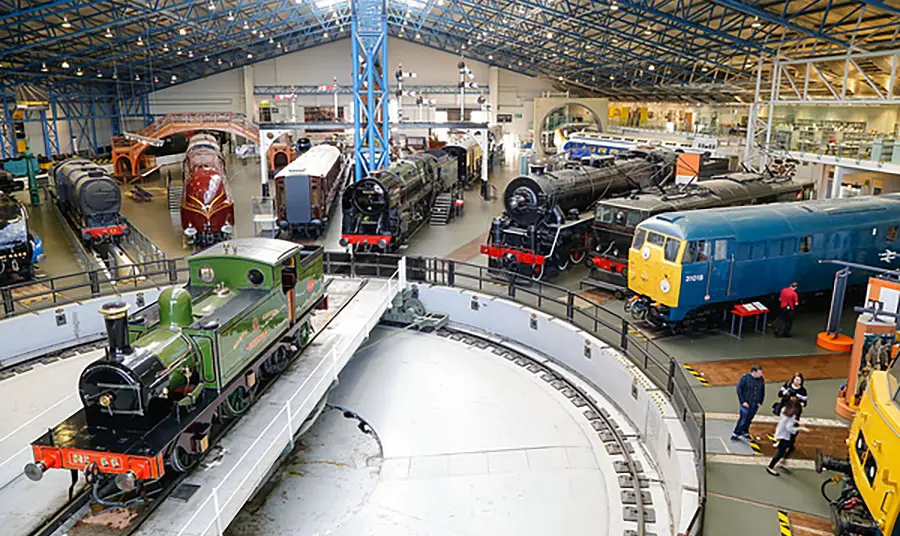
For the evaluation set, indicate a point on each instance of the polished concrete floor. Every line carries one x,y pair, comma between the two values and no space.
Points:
743,500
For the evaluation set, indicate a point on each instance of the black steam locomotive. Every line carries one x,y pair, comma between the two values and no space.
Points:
90,199
543,229
616,219
383,210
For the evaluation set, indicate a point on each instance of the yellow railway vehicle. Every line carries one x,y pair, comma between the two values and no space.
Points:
869,500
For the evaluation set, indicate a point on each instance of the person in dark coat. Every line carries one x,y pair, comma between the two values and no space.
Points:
794,389
751,391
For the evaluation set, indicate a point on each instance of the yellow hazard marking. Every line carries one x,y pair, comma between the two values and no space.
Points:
784,523
29,301
697,375
637,333
755,446
772,438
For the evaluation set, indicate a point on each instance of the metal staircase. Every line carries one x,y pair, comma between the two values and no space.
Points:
440,211
175,187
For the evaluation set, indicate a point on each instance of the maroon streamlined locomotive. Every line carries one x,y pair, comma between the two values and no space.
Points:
207,207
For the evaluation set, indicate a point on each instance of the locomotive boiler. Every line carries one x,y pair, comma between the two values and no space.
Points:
385,209
542,228
305,191
90,200
207,207
616,219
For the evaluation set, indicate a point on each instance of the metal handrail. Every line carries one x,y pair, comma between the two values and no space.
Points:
607,325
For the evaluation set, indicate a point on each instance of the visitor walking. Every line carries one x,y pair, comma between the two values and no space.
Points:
751,391
786,432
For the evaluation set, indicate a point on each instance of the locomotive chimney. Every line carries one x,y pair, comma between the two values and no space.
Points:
116,316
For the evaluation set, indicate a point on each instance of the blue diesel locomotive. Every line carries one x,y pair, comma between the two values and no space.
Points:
688,266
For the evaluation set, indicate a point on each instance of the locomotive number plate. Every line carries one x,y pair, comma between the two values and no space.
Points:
693,277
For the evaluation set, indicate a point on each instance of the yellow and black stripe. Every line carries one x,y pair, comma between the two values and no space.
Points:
755,446
697,375
784,523
640,335
772,438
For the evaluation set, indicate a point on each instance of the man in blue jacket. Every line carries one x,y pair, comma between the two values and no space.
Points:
751,391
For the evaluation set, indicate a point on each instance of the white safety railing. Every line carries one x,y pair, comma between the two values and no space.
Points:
228,497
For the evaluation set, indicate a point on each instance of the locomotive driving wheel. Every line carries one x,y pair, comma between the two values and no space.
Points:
237,402
181,460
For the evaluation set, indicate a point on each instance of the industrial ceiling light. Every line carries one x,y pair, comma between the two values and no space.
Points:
246,26
648,31
249,55
613,7
756,23
560,78
704,68
179,52
652,67
325,35
549,35
271,41
44,68
205,58
278,46
254,31
165,48
108,34
191,54
115,75
66,24
490,56
174,78
231,16
418,35
155,79
611,77
137,78
79,72
182,31
99,74
65,64
211,5
140,42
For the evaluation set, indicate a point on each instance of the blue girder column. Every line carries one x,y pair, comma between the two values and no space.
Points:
370,86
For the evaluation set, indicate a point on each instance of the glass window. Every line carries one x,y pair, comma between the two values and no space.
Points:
721,251
775,248
758,250
743,252
639,237
690,253
635,217
703,247
805,244
892,233
621,217
606,214
671,249
656,239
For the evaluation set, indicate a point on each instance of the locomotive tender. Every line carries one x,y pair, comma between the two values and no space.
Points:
207,207
616,219
176,370
689,266
542,227
305,191
385,209
90,200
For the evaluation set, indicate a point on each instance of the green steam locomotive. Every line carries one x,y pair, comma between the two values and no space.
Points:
175,372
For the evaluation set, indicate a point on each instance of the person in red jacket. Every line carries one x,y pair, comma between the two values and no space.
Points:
789,301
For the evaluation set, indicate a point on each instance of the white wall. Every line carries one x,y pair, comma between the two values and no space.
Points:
320,65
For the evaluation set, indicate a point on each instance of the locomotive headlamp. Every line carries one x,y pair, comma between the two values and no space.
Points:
106,400
343,242
382,243
207,274
665,286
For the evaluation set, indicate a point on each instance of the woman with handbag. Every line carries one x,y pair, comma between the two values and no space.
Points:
791,389
786,432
